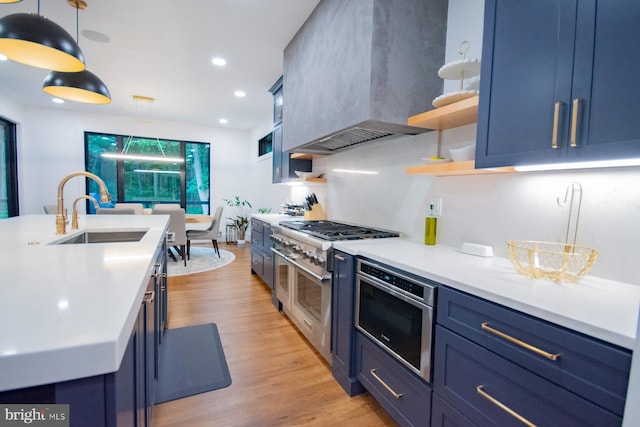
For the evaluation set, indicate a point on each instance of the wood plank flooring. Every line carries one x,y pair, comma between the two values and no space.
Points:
278,379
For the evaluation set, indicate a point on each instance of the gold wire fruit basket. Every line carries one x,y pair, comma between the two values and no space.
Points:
559,262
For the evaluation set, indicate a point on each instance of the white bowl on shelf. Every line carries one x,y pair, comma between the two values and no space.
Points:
463,154
308,174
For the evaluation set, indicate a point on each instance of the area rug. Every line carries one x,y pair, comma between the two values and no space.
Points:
202,259
191,362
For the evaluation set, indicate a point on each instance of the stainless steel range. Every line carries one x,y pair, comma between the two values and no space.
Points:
303,252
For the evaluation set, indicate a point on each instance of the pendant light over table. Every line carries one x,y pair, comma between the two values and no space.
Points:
34,40
82,86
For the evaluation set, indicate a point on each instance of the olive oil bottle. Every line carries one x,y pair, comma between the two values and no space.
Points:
430,225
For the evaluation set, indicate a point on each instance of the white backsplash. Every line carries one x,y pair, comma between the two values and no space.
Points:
487,209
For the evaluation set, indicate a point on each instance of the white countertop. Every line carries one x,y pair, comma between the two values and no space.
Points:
597,307
274,219
67,311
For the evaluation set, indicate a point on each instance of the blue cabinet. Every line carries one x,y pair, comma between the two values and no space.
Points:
261,257
342,328
284,166
555,82
489,357
405,396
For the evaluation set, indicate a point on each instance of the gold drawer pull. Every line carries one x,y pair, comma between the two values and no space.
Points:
149,296
574,122
339,258
385,385
504,407
516,341
556,122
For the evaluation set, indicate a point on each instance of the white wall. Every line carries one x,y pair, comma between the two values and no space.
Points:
488,209
51,145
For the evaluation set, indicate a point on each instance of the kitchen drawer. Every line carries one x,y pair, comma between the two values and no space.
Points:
589,367
257,262
469,377
256,238
445,415
413,407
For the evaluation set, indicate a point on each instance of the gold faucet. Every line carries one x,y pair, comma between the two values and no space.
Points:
74,216
61,217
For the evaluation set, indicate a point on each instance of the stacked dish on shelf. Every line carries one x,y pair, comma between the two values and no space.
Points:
459,70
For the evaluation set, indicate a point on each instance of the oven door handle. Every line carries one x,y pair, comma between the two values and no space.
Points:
301,267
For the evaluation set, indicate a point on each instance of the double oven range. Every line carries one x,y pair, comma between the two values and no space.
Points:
303,259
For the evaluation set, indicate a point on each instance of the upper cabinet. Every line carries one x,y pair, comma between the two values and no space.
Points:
284,165
556,83
356,70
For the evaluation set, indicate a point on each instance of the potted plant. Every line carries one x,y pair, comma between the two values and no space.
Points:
241,221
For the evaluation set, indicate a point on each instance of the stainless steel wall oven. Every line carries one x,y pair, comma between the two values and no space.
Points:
396,310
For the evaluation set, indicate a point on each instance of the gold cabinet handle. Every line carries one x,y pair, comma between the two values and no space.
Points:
385,385
536,350
556,123
339,258
504,407
574,121
149,296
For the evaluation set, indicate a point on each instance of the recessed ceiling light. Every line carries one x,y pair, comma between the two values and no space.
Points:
57,100
223,121
3,57
240,94
219,61
95,36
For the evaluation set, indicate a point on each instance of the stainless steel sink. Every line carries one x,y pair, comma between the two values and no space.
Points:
103,236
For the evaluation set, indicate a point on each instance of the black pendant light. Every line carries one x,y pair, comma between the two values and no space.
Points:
34,40
83,86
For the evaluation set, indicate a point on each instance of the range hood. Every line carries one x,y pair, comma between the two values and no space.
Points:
355,71
370,131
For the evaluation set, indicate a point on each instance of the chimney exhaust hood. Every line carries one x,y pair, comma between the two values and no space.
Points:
356,70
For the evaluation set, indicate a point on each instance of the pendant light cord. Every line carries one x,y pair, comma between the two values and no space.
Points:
38,7
77,25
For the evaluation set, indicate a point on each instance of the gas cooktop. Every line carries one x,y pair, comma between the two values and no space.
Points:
332,230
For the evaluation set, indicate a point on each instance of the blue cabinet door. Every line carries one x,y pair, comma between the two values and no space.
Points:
527,62
555,83
343,330
606,53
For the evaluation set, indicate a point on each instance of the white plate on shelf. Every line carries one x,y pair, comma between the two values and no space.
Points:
308,174
450,98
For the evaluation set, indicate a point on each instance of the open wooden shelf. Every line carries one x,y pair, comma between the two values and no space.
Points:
453,169
306,156
309,180
450,116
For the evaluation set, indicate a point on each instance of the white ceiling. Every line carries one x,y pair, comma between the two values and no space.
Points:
163,49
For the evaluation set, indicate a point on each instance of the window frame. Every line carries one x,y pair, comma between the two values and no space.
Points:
11,166
120,170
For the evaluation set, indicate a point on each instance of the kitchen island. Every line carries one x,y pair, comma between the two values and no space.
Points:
67,311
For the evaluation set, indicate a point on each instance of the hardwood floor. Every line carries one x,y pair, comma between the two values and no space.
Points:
278,379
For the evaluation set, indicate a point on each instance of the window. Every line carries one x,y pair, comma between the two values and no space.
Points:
140,178
8,170
265,144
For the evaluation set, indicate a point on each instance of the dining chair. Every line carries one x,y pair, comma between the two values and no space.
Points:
114,211
177,228
137,207
50,209
166,206
210,233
